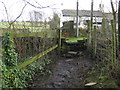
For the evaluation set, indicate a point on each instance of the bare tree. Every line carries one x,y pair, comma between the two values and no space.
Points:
36,18
6,10
113,10
114,36
119,24
55,22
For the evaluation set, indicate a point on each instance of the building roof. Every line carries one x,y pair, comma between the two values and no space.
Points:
86,13
67,12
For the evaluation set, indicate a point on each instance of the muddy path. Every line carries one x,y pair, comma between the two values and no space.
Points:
66,73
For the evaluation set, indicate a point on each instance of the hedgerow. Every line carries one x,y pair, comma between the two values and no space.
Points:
13,77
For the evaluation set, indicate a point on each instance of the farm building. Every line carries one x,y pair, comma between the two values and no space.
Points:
70,15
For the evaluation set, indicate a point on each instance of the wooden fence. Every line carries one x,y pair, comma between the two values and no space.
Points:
102,42
42,34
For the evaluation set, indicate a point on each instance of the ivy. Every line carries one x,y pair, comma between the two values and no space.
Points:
11,78
9,54
15,77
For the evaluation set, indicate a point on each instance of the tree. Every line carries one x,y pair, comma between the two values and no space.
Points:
119,24
55,22
36,17
8,20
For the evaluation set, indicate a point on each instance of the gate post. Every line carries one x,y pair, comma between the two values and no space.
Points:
59,41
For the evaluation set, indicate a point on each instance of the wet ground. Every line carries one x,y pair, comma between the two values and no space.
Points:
66,73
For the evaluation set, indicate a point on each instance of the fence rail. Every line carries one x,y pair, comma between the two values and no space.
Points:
27,62
42,34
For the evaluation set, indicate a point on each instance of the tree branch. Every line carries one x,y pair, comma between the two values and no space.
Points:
19,15
6,11
37,2
113,10
10,23
39,7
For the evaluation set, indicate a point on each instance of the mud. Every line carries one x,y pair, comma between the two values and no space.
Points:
66,73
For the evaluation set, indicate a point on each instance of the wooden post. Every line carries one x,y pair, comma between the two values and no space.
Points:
91,24
103,28
91,15
88,34
95,41
77,29
113,23
59,41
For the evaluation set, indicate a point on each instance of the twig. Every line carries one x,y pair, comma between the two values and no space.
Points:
37,2
113,10
10,23
6,11
39,7
19,15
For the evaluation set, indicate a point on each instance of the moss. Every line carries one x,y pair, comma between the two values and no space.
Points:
73,39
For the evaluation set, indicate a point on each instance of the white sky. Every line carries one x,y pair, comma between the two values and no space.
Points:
14,7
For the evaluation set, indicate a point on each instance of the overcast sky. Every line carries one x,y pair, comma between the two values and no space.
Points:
14,7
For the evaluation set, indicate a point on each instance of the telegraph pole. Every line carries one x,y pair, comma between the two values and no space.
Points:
91,23
77,29
119,24
91,15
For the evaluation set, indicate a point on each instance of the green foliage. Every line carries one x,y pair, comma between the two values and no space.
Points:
55,22
104,48
73,39
102,78
15,77
9,54
11,78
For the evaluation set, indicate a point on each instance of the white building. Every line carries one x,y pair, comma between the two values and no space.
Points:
70,15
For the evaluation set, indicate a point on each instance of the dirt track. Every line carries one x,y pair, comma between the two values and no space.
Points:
66,73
